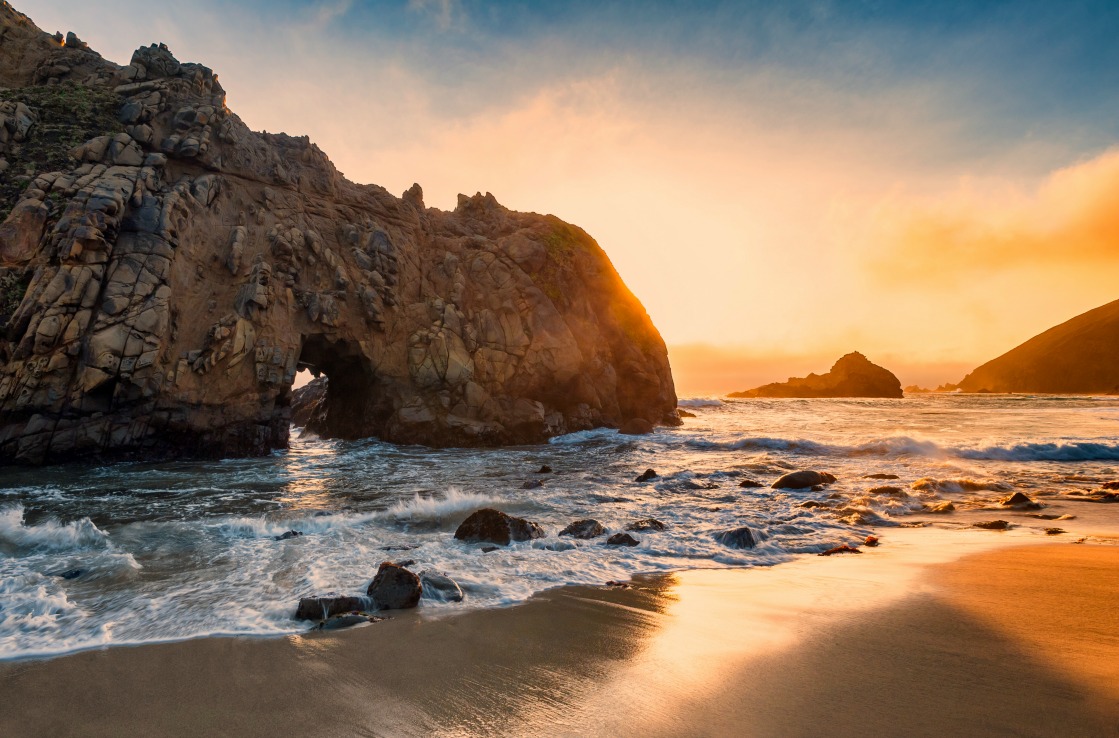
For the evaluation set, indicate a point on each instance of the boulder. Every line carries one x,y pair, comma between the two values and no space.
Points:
1020,501
803,480
584,529
646,475
320,608
852,375
394,588
737,538
646,524
493,526
636,427
622,539
440,587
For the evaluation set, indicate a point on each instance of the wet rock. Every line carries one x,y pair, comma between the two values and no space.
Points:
871,541
941,507
618,585
1054,531
646,475
622,539
844,549
406,563
992,525
646,524
803,480
750,483
321,608
881,476
394,588
1110,485
440,587
1020,501
399,548
494,526
684,413
888,491
636,427
489,549
349,620
737,538
584,529
1050,516
809,504
70,573
287,536
545,469
533,484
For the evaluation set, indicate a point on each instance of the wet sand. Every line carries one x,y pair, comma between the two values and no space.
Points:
903,640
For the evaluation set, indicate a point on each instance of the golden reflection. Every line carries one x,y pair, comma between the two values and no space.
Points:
310,478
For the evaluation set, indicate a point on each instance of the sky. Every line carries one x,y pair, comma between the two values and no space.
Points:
930,183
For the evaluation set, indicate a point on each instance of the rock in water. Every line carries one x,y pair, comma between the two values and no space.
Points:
993,525
843,549
646,524
287,536
584,529
394,588
164,280
852,375
1020,501
440,587
803,480
494,526
646,475
320,608
750,484
622,539
737,538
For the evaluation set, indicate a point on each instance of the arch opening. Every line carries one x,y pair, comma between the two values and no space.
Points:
344,400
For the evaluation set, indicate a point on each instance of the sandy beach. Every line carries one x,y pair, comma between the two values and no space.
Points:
973,635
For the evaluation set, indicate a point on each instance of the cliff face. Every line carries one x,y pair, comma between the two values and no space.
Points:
165,271
1080,356
852,376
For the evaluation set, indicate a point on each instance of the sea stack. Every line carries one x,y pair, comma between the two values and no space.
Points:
852,376
165,272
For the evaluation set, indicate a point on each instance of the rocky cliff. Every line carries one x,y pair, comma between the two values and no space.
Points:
852,376
165,271
1079,356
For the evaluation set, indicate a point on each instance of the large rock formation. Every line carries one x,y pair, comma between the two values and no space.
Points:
1079,356
852,376
165,271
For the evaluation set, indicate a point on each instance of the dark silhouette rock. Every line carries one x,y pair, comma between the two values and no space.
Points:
394,588
1054,531
737,538
533,484
1110,485
803,480
490,549
646,524
622,539
165,272
881,476
750,483
308,404
440,587
887,491
320,608
852,375
288,535
646,475
70,573
992,525
1076,357
584,529
871,541
494,526
349,620
636,427
684,413
844,549
1020,501
544,470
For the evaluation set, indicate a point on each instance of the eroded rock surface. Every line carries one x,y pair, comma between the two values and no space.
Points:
165,271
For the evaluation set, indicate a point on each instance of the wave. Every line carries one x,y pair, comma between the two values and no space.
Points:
700,402
454,502
50,535
929,484
906,446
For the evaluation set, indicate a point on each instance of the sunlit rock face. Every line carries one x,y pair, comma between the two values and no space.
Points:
1075,357
853,375
165,271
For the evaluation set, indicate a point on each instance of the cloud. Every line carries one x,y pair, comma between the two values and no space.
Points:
443,12
1068,220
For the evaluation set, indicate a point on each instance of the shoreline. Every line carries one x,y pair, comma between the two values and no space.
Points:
684,653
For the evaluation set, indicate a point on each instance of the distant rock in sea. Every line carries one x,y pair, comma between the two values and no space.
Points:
852,376
1079,356
165,272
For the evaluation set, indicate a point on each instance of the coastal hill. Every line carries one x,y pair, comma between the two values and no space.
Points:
1079,356
852,375
165,272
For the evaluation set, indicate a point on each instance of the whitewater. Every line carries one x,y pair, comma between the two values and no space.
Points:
94,556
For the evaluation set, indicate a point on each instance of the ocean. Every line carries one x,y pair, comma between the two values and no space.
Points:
95,556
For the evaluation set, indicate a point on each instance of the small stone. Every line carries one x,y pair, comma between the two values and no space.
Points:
881,476
646,476
871,541
993,525
1054,531
1020,501
287,536
622,539
584,529
533,484
750,483
844,549
737,538
646,524
544,470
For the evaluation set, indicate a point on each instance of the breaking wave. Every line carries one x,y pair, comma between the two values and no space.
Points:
905,446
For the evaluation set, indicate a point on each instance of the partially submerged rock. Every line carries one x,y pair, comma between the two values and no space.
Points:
750,484
844,549
646,475
945,506
881,476
321,608
646,524
584,529
440,587
803,480
852,375
493,526
394,588
622,539
737,538
287,535
993,525
1020,501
